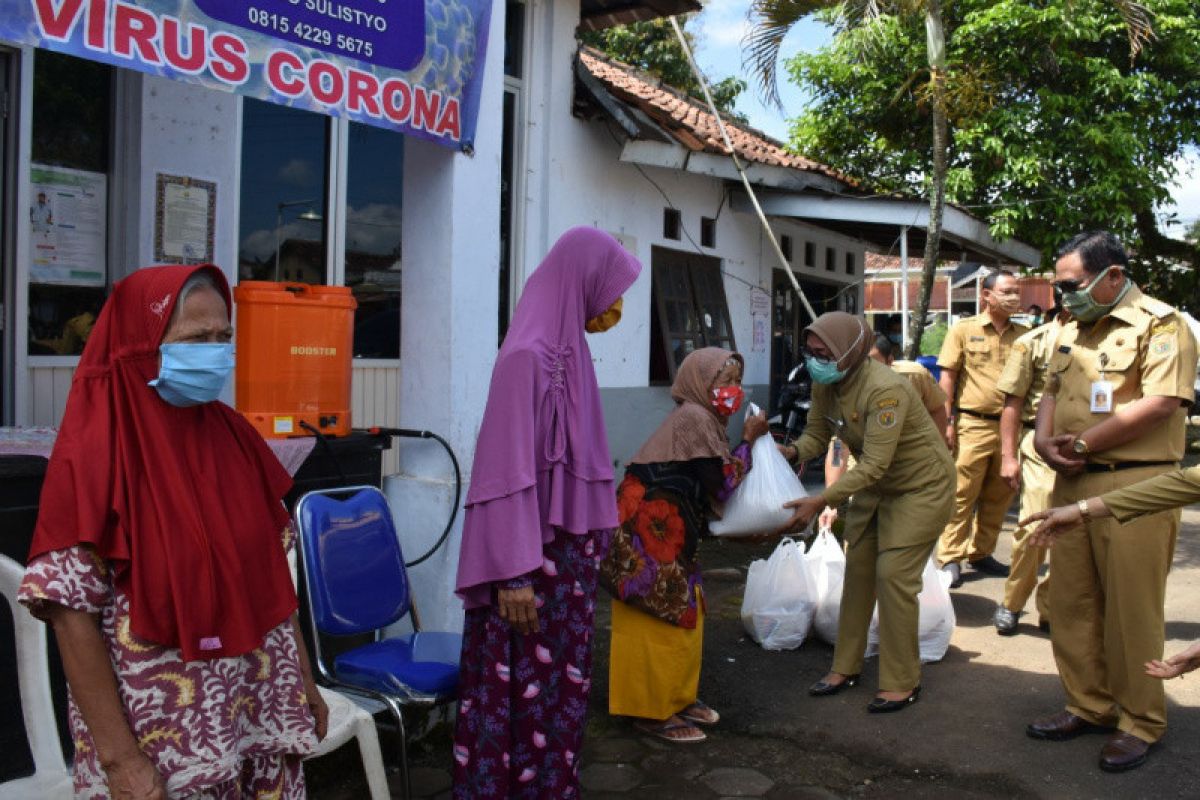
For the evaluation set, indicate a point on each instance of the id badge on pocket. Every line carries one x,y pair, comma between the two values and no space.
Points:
1102,397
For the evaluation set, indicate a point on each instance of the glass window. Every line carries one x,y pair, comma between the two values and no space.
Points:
68,214
689,310
285,169
375,181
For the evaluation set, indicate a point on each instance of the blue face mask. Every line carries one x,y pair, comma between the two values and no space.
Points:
894,338
823,371
192,373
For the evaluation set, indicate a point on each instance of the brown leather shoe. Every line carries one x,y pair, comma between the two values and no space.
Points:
1123,751
1062,726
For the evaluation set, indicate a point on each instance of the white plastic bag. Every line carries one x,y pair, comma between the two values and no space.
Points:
937,619
777,609
827,568
756,505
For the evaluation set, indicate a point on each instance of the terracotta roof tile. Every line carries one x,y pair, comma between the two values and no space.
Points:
690,122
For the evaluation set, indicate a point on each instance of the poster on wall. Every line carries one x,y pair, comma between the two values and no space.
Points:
185,212
760,319
68,223
414,66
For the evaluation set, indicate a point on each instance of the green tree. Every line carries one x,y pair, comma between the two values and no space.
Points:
1054,128
923,83
652,47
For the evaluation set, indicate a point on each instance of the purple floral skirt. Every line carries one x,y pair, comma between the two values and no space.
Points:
523,699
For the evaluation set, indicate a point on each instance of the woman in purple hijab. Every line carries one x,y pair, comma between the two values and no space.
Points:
541,498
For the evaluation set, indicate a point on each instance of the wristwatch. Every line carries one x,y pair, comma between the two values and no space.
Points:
1084,511
1080,447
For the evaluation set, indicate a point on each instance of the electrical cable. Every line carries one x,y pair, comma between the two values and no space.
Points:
416,434
411,434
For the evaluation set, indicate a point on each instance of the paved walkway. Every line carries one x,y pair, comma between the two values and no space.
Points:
964,739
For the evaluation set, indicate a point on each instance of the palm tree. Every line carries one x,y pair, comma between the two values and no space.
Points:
772,19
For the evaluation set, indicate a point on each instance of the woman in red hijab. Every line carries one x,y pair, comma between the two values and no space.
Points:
159,560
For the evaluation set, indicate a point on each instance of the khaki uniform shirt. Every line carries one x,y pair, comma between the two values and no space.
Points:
1144,348
1027,368
932,396
978,352
879,417
1160,493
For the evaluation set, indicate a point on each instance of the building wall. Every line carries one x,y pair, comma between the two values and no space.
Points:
575,176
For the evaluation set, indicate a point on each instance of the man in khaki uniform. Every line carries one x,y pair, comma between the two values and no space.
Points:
1022,382
972,357
1112,415
900,496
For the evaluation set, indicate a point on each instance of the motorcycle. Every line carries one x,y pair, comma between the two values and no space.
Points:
795,402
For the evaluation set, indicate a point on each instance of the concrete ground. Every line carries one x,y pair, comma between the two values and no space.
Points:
964,739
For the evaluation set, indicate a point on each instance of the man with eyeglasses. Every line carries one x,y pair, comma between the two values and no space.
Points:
972,358
1112,415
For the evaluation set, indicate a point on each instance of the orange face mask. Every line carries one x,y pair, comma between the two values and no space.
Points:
609,317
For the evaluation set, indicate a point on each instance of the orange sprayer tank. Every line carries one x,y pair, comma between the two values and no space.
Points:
295,343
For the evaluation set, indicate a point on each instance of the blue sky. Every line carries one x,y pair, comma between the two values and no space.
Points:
719,29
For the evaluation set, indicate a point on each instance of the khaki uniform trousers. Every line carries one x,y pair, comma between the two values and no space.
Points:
977,467
1108,594
891,575
1037,483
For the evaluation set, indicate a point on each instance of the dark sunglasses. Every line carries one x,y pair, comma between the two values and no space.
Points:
1067,287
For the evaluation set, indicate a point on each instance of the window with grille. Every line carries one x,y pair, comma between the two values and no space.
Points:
689,310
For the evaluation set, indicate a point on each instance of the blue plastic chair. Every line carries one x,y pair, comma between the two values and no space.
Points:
930,363
357,584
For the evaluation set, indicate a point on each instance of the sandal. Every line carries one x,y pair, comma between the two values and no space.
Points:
663,730
700,714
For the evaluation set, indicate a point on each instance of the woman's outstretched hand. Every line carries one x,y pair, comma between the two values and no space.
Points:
803,511
1176,665
1055,522
755,427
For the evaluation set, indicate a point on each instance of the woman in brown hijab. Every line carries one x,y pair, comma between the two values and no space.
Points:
651,569
901,492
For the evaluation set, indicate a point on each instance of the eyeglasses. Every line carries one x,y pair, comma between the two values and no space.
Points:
1067,287
823,357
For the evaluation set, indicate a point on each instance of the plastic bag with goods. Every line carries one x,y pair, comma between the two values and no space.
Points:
937,620
756,505
778,606
827,568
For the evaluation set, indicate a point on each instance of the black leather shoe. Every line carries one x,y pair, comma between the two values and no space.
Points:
1062,726
955,572
991,566
823,689
1005,621
881,706
1123,751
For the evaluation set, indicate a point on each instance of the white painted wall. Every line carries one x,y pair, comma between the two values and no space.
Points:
575,177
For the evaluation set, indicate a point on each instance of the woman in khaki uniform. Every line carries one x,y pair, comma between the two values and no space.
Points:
901,492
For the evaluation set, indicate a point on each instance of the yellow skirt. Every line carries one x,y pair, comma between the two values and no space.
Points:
653,666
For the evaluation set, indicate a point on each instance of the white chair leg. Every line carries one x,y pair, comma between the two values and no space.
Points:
372,758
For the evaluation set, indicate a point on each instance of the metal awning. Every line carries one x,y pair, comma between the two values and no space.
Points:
596,15
878,220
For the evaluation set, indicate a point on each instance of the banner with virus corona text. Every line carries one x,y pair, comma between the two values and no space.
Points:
414,66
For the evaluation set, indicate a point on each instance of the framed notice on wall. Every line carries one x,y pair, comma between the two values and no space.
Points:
185,213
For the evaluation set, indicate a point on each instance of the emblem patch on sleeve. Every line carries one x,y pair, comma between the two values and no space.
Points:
887,418
887,402
1161,345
